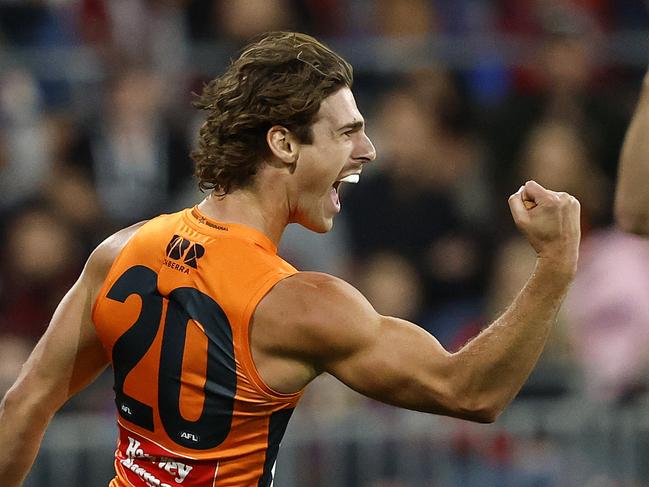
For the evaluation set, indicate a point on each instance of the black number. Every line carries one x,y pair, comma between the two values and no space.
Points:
185,304
214,423
132,345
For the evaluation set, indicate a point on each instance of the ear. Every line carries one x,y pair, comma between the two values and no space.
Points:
283,144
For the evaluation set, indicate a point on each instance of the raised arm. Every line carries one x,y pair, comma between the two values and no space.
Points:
66,359
325,324
631,195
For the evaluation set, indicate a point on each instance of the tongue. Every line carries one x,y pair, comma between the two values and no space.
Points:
334,198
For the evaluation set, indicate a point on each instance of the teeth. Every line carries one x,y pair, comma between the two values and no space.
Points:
352,178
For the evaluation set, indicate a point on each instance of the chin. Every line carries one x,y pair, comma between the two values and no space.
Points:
322,226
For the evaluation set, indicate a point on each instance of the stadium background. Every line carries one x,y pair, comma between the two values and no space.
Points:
465,100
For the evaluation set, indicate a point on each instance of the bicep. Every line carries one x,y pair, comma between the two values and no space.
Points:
397,363
329,326
69,355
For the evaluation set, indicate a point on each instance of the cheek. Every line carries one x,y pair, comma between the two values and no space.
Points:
314,178
337,155
323,164
326,167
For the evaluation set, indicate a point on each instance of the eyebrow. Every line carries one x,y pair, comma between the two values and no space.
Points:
359,124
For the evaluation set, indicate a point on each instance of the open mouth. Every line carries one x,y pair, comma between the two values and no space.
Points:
351,178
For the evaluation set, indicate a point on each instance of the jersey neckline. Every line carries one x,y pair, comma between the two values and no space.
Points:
215,227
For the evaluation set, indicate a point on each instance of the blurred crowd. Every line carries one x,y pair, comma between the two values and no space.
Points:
426,235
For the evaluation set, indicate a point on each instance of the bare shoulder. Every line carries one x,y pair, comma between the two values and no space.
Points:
314,295
307,286
106,252
104,255
317,315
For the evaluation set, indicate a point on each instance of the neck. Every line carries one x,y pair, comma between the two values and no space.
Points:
247,207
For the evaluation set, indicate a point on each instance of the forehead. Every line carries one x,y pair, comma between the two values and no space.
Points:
339,109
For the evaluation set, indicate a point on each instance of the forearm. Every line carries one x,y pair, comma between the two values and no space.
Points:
631,198
495,364
22,425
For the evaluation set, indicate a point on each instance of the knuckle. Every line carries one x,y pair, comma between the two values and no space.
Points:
572,202
564,199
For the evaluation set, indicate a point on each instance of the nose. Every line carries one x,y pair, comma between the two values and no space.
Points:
365,150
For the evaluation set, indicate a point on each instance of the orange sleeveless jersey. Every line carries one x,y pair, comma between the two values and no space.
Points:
173,315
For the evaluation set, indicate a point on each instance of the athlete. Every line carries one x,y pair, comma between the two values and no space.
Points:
631,196
213,337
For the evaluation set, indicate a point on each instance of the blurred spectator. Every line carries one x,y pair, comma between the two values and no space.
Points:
421,200
136,157
405,19
71,194
40,260
608,314
25,165
407,207
531,17
556,155
558,85
243,20
140,32
392,284
240,21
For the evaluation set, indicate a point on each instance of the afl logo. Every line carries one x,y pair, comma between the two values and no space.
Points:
180,248
186,435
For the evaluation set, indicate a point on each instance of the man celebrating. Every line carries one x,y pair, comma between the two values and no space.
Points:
213,337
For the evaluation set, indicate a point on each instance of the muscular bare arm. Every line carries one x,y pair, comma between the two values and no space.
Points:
67,358
631,196
321,323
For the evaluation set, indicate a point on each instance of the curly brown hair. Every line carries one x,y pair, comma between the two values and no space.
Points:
279,79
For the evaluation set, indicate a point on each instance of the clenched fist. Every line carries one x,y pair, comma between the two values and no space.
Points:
550,221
